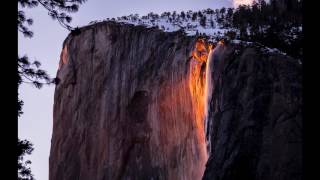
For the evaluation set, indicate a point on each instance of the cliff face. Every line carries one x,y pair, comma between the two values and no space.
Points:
254,118
128,105
131,104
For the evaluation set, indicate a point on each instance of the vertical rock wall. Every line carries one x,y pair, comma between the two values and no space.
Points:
128,105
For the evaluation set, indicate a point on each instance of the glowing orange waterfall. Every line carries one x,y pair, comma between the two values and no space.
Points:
208,91
209,87
200,89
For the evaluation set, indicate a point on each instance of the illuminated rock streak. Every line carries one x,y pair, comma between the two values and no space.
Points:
63,57
201,87
211,63
201,90
208,88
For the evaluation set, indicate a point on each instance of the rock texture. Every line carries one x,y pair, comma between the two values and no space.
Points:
255,118
128,105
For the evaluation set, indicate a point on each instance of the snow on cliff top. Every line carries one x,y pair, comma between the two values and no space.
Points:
203,22
206,22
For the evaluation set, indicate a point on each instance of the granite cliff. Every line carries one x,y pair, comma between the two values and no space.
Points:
128,105
131,103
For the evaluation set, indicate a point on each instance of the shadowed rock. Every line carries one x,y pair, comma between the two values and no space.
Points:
255,118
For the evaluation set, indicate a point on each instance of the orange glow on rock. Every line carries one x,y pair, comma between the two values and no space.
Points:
197,82
199,89
201,50
63,57
197,86
221,42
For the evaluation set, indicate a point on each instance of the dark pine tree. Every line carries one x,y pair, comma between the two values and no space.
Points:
183,15
228,17
24,147
275,24
203,21
194,16
212,24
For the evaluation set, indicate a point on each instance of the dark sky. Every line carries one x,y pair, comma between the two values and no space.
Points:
36,122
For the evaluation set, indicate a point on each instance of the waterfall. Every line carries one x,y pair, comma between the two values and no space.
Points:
207,95
211,62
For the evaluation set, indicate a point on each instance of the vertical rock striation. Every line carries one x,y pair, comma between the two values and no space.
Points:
131,104
128,105
255,118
